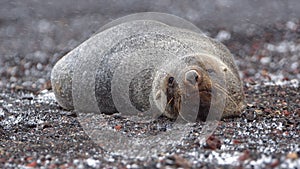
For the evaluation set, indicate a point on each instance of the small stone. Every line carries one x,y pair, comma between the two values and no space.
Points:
213,143
118,127
237,141
285,113
27,97
250,115
275,163
292,156
32,164
182,162
259,112
48,157
244,156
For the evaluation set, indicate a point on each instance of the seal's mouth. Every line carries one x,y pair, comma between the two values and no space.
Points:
174,101
204,106
173,98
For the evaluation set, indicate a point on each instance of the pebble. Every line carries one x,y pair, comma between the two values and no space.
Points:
213,143
292,156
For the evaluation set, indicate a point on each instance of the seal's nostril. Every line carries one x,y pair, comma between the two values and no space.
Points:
196,78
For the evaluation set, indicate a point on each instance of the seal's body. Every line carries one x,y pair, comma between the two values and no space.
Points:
148,59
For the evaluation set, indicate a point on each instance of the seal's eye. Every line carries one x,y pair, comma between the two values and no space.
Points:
192,77
171,80
210,71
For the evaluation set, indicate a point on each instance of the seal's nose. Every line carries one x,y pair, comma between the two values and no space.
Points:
192,77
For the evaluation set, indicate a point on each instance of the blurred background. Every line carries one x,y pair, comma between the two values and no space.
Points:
35,34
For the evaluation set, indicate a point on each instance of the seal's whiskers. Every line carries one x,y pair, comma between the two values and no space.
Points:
220,88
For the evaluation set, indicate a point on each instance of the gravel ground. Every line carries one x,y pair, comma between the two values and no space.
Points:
36,133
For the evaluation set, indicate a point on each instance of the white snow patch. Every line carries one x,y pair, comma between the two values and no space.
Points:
291,83
1,112
44,26
291,25
92,162
283,47
294,65
226,158
265,60
223,35
46,95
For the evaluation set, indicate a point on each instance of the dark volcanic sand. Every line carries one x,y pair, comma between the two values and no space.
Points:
36,132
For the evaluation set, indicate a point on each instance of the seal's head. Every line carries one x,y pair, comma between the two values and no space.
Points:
191,88
196,90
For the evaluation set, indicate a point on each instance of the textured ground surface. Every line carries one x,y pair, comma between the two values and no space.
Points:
36,132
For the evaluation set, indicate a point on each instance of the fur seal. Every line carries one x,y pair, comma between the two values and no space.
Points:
148,58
